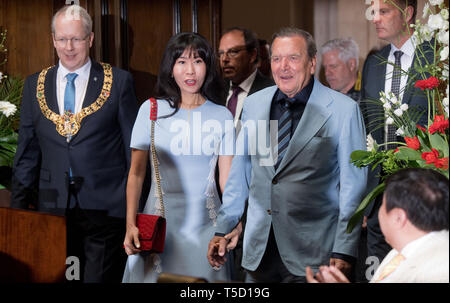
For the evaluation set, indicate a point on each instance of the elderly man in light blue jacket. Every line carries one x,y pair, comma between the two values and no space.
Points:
302,190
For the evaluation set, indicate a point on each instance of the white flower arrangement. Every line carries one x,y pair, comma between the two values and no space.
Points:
10,96
424,145
7,108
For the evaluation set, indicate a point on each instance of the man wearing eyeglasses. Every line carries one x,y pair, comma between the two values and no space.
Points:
74,138
238,54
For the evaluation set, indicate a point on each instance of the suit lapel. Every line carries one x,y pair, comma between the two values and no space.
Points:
407,95
380,69
50,90
313,118
263,107
95,84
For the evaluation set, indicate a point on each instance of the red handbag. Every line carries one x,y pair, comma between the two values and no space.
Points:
152,228
152,232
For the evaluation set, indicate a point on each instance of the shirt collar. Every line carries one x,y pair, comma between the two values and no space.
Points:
83,72
415,245
247,83
407,48
301,97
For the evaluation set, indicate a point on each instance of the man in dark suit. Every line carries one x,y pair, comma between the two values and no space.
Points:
238,54
379,76
74,136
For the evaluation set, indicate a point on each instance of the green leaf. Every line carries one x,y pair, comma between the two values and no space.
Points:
439,143
357,216
358,155
407,154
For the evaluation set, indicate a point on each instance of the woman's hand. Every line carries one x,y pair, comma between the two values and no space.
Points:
131,242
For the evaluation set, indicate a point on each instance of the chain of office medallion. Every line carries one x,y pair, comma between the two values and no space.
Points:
74,120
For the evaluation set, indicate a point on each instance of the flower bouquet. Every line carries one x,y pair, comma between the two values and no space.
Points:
10,96
424,146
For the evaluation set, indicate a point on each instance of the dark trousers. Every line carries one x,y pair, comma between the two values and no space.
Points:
97,241
272,269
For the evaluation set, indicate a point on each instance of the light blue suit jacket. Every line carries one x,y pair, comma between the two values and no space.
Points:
310,198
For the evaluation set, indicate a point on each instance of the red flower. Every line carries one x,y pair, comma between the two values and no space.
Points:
430,157
429,83
440,124
412,143
441,163
421,128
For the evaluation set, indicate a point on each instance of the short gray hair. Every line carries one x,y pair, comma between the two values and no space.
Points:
75,11
346,47
292,32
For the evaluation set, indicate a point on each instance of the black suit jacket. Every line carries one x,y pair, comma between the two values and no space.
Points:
99,153
258,84
373,82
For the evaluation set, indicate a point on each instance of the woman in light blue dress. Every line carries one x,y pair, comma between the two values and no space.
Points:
193,135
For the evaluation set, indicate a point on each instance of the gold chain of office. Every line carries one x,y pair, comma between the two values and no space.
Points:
69,124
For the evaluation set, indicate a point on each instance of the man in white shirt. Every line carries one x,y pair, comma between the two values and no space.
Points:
392,20
238,54
414,218
74,138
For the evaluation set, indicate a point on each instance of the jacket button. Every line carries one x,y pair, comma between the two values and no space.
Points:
269,212
274,181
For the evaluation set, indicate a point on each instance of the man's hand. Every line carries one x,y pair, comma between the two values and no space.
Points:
342,265
233,237
216,251
326,274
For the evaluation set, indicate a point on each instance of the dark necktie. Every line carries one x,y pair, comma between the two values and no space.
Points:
284,130
232,102
395,89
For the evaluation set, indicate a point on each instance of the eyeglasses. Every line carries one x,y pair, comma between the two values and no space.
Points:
291,58
232,52
74,41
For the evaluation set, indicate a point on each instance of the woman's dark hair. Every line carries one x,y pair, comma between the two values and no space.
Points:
166,87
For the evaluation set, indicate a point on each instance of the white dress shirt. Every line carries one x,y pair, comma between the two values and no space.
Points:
245,86
81,83
426,260
406,60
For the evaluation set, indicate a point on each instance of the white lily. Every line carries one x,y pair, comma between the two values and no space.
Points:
370,143
400,132
444,53
436,22
436,2
7,108
398,112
